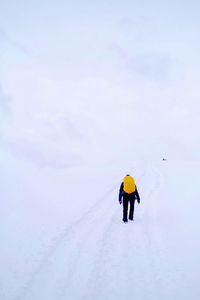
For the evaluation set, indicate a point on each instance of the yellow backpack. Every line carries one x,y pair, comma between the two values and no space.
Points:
129,184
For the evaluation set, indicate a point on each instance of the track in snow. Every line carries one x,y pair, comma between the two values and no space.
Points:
99,257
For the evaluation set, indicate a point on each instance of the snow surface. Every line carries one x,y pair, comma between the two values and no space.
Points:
91,91
66,242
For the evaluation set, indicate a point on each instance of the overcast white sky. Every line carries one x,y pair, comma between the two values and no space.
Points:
98,73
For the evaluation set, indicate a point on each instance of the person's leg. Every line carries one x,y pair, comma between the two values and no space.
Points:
131,211
125,208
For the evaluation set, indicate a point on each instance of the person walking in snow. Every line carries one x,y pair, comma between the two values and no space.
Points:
129,193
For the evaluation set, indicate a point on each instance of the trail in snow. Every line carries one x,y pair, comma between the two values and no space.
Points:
59,240
99,257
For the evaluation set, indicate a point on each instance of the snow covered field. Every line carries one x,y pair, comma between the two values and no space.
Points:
65,243
91,91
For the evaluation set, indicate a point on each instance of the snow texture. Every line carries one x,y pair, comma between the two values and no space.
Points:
75,245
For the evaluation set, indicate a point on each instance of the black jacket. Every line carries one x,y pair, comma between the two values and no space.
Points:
121,193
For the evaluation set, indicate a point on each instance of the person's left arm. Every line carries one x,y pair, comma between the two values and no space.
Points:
121,192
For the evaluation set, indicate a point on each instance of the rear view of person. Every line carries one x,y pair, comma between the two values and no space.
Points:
129,193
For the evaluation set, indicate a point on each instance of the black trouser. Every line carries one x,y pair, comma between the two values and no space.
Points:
128,198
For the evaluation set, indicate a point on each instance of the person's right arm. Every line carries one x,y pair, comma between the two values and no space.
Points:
137,195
